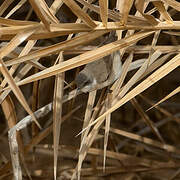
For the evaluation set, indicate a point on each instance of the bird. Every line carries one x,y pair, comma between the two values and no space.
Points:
101,73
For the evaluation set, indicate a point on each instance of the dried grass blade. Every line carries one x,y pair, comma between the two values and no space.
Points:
174,4
145,49
4,51
57,30
140,7
78,27
89,109
70,37
35,104
13,22
21,74
176,91
13,30
44,133
80,13
139,73
149,81
160,6
86,57
58,47
119,5
72,27
36,64
57,112
15,8
112,14
81,27
82,154
40,8
147,120
104,11
175,175
14,157
125,10
128,160
162,110
56,5
145,140
22,124
172,33
17,40
9,111
107,127
84,143
10,114
14,145
16,90
116,87
28,119
25,51
155,65
4,6
49,12
136,64
87,120
97,109
154,41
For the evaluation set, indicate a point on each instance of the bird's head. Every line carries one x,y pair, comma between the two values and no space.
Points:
85,82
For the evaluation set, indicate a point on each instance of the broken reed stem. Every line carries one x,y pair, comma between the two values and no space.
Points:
21,125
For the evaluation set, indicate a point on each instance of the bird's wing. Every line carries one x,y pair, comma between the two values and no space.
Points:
100,69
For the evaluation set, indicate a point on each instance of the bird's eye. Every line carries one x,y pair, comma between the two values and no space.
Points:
87,82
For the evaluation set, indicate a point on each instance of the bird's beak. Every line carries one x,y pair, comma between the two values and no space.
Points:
78,90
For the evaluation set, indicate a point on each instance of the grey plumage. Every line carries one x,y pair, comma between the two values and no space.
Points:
100,73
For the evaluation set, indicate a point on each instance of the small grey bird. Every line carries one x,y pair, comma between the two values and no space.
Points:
102,72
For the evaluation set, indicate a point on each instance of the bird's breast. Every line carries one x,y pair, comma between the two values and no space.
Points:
100,70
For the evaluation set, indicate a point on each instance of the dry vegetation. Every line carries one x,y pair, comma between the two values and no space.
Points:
104,134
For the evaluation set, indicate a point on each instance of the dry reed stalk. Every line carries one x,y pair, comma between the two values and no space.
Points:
139,26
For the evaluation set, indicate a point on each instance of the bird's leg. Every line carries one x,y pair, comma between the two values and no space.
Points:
108,89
